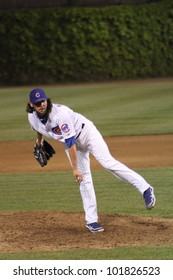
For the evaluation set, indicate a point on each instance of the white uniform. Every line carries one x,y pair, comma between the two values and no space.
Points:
63,123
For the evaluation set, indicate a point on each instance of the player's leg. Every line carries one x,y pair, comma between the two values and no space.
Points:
100,151
86,187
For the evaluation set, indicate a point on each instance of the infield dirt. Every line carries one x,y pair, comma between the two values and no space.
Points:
51,230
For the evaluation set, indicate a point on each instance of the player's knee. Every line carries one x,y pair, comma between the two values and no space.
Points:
108,163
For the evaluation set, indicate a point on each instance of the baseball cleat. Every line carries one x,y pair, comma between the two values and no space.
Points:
94,227
149,198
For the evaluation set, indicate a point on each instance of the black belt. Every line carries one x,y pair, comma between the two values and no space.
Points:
80,131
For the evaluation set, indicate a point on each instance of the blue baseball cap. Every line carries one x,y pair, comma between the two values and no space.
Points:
37,95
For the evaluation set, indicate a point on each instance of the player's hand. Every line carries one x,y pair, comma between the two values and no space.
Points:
78,175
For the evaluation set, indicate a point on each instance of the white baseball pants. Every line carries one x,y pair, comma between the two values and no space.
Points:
91,141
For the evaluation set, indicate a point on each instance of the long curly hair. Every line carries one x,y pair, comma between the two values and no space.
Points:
30,109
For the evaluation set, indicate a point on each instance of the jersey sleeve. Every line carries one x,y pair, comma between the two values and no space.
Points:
66,125
70,141
31,122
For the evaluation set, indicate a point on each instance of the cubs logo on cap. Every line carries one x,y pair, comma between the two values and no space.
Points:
37,95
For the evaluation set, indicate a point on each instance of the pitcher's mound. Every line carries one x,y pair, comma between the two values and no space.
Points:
52,231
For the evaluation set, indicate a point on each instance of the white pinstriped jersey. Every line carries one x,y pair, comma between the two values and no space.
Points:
62,123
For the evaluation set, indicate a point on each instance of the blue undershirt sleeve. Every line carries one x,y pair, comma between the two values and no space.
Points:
70,141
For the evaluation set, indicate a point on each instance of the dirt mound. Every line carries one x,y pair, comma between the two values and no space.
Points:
51,230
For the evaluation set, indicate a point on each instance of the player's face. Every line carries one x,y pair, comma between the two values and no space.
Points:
40,107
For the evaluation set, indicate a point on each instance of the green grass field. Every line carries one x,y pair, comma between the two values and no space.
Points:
117,109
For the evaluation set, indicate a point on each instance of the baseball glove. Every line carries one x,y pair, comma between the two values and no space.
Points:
43,153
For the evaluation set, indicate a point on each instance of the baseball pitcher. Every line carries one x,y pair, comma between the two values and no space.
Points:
80,138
